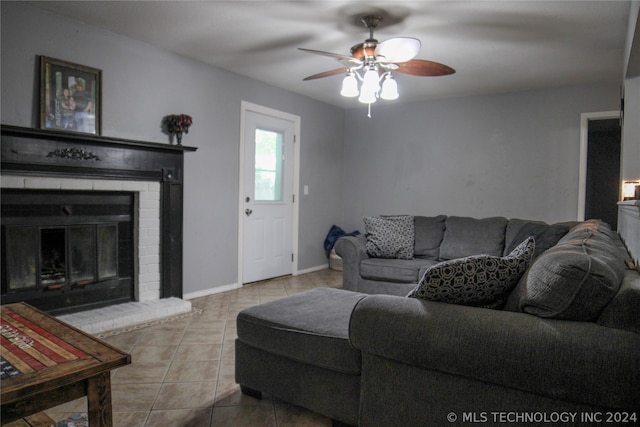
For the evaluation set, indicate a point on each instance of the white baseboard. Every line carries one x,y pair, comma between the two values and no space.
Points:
212,291
312,269
225,288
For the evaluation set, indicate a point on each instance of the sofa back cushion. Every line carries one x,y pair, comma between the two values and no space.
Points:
546,235
575,279
428,234
465,236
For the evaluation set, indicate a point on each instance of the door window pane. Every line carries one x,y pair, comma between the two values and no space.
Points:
268,165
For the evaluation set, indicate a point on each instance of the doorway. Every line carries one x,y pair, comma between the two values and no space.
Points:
268,213
600,167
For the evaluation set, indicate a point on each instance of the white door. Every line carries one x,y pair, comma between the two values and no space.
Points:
267,197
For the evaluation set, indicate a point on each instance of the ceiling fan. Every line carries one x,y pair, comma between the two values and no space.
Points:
376,61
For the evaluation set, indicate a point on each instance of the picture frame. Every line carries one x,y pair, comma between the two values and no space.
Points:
70,96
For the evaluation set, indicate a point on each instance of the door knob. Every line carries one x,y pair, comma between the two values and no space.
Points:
248,212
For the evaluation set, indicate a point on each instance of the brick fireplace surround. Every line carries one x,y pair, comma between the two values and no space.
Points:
153,172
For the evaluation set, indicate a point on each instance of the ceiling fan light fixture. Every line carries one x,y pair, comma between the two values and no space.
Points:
389,90
374,62
349,86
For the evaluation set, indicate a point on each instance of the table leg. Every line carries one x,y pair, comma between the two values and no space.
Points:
99,400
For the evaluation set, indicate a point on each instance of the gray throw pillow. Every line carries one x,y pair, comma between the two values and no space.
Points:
479,280
390,236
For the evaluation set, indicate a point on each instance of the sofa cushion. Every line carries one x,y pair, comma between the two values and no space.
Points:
310,327
393,270
390,236
475,280
546,235
469,236
428,236
575,279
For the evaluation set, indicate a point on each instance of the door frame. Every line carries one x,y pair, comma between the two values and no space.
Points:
250,107
584,141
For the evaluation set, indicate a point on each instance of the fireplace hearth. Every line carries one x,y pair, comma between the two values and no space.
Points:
74,226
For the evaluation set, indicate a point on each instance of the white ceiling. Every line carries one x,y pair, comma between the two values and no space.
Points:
495,46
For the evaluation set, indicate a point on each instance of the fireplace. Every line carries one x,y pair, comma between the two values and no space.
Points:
64,249
89,221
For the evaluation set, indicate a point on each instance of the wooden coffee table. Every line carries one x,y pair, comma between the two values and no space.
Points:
46,362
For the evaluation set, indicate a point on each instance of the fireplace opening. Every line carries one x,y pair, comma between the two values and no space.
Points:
66,251
53,271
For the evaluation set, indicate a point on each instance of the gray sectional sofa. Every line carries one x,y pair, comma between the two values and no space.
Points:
564,348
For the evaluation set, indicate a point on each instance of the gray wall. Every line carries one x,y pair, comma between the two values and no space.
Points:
141,84
512,155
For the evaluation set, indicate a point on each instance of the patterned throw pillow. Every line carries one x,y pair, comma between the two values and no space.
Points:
390,236
479,280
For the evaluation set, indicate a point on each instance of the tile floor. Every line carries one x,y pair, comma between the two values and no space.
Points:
182,371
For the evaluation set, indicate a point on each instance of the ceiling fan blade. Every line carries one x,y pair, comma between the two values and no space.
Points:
327,73
399,49
332,55
420,67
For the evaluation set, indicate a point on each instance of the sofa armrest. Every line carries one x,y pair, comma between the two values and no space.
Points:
353,250
573,361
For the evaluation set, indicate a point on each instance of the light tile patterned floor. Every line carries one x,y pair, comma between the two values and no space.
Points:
182,372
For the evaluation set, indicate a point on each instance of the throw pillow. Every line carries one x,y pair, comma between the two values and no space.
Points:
479,280
390,236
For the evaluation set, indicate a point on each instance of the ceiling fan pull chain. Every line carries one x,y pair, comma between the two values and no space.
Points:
369,112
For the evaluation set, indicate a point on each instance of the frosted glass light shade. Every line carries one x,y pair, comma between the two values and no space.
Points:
349,86
389,89
370,81
367,97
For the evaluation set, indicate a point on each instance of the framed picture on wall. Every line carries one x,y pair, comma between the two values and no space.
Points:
70,96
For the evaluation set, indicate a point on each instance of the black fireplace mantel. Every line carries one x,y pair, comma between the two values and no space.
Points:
38,152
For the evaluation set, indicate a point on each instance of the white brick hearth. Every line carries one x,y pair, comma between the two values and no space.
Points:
148,305
124,315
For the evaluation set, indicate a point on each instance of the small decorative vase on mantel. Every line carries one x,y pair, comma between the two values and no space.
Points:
177,124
